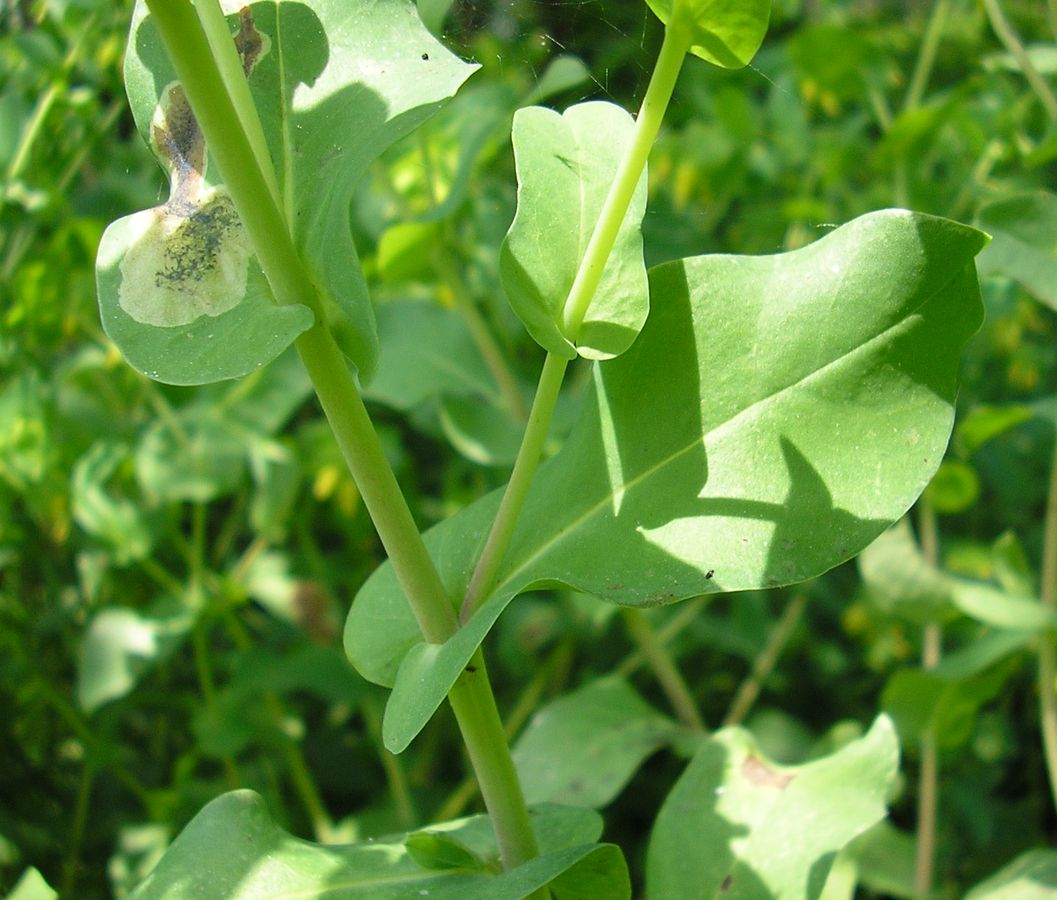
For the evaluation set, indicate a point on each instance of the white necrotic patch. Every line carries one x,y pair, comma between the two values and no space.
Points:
183,263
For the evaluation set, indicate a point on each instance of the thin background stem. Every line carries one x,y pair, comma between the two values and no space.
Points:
928,776
1012,42
765,661
668,675
1047,649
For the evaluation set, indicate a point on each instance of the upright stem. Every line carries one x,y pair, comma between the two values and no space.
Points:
525,465
916,90
1047,650
647,125
928,776
765,662
1011,41
482,335
668,675
687,613
471,697
585,283
926,55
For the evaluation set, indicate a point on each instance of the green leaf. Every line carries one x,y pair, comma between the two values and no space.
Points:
180,289
736,825
565,165
233,849
896,571
470,129
886,860
404,251
954,488
725,33
428,352
774,417
120,647
106,515
901,580
433,13
193,455
433,850
32,886
234,719
1031,876
483,432
563,73
613,730
922,702
984,423
1024,245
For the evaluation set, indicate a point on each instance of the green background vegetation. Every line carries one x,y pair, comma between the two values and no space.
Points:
176,563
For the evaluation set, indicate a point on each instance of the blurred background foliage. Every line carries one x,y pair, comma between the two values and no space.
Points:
175,563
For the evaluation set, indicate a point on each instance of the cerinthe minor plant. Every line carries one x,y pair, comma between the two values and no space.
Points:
751,422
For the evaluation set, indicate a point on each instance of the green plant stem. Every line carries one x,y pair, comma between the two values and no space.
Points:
1011,41
239,167
588,274
916,90
928,775
231,69
765,661
1047,649
926,55
687,613
45,102
403,804
482,335
471,698
66,711
528,458
70,865
654,105
526,704
668,675
304,785
207,687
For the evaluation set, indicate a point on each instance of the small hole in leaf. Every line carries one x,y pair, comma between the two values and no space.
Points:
425,57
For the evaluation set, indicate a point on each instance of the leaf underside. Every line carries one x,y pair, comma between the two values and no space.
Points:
775,415
180,290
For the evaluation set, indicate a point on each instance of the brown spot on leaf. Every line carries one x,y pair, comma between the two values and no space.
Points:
178,140
727,884
250,43
756,771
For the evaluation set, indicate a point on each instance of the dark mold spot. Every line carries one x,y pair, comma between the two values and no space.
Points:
191,253
179,141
